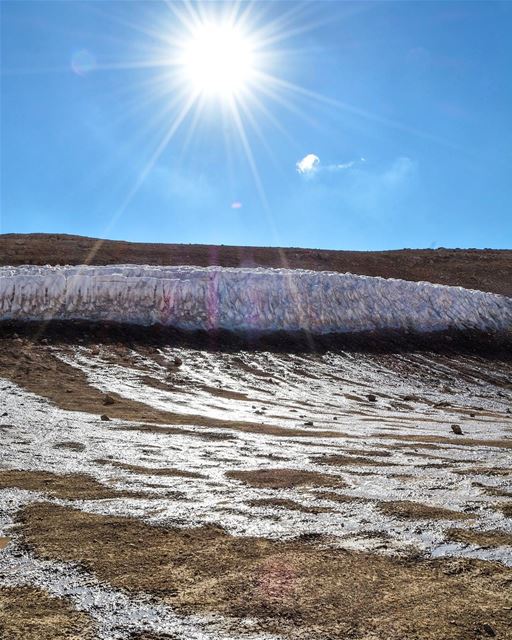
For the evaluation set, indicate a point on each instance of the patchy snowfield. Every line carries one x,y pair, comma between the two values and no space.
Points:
255,494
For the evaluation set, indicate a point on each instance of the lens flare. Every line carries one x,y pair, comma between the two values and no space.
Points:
83,62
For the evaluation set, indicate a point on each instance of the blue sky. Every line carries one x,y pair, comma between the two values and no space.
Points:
358,125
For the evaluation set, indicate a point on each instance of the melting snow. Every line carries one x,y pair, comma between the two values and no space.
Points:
244,299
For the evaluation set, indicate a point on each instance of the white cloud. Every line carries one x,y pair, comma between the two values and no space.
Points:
341,166
308,164
366,190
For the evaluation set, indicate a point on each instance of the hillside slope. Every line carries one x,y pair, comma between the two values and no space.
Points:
488,269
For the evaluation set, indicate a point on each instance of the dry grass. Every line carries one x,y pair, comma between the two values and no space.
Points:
494,491
152,636
486,471
292,588
72,446
27,613
480,538
336,497
71,486
421,441
339,460
506,509
287,504
285,478
379,453
408,510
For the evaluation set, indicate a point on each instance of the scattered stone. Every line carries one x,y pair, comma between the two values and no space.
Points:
105,417
308,423
372,397
178,361
456,429
108,400
489,630
472,415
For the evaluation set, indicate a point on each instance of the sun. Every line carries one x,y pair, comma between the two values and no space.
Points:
218,60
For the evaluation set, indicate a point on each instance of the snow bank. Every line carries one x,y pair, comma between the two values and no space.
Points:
244,299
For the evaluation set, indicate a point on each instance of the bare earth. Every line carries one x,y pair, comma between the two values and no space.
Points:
254,494
488,269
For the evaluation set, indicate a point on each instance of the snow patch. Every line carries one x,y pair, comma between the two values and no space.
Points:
245,299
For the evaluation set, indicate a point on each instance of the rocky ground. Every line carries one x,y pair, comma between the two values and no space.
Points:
156,488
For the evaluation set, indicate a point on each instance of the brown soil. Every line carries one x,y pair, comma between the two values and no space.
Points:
506,509
369,452
416,511
338,460
336,497
285,478
487,471
488,270
35,368
495,491
150,471
152,636
480,538
502,443
71,486
293,588
72,446
223,393
27,613
287,504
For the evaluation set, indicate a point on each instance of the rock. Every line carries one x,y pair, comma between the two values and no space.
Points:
372,397
108,400
105,417
472,415
335,418
178,361
456,429
309,423
488,630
